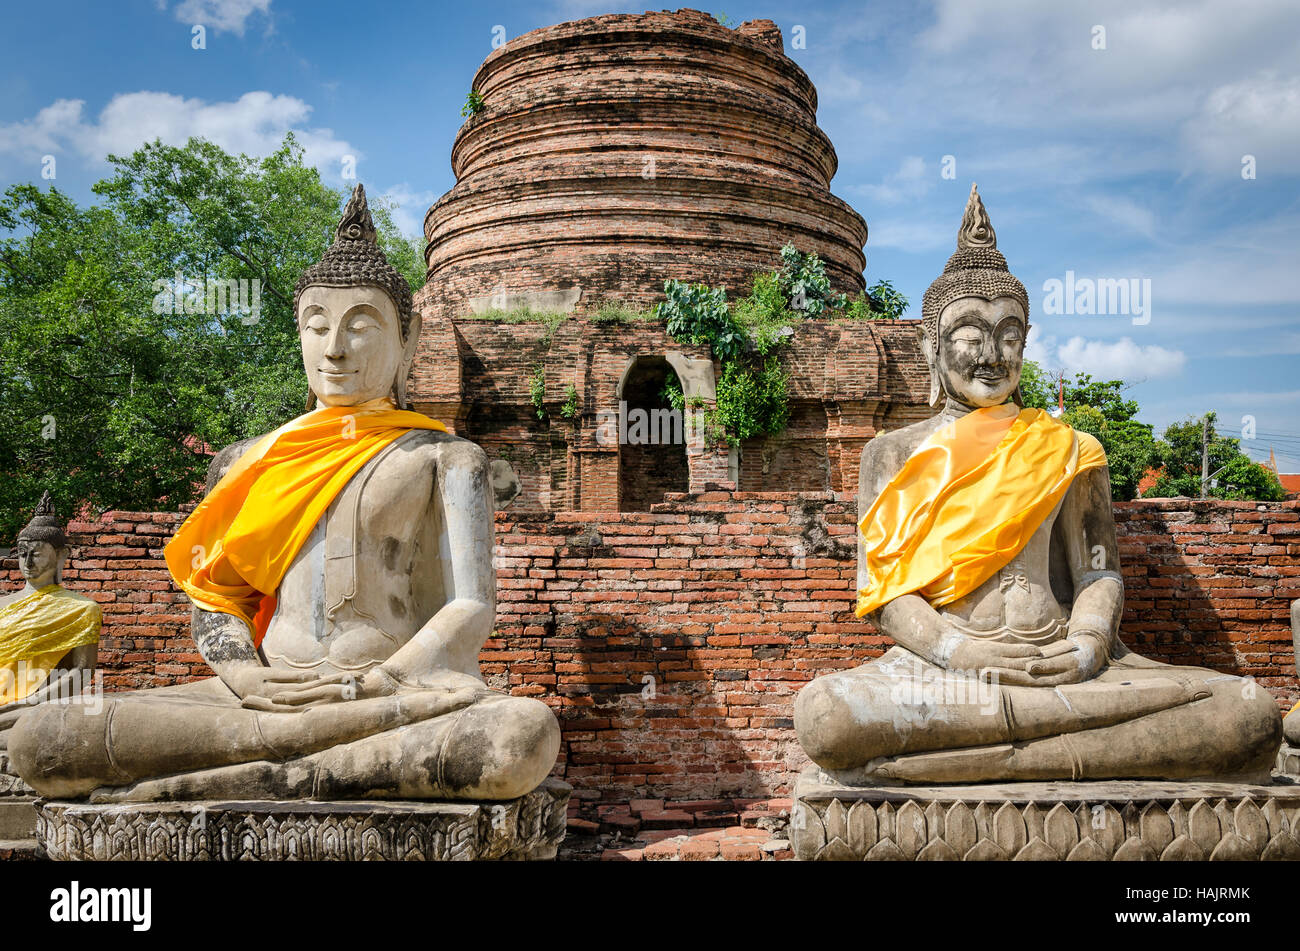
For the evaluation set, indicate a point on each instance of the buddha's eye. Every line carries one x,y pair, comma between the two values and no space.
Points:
318,325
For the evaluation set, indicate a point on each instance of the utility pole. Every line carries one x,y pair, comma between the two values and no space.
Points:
1205,455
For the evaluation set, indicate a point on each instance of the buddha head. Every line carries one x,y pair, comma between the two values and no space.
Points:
42,546
355,321
974,319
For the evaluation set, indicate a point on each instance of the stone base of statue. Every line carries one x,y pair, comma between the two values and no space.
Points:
528,828
1288,761
1116,820
17,814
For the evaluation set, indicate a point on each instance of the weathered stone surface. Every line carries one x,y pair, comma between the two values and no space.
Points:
1127,820
1187,600
1007,664
364,681
1288,760
617,151
530,827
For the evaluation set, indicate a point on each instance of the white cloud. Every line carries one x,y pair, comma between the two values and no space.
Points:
228,16
408,207
1119,359
911,181
911,236
1125,213
1259,116
254,124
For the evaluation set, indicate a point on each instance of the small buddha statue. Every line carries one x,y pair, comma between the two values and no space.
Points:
342,579
987,552
49,636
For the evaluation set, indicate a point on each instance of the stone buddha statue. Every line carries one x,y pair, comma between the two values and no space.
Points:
341,574
987,552
49,636
1291,722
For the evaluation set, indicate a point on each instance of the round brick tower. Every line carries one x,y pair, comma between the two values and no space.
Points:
617,151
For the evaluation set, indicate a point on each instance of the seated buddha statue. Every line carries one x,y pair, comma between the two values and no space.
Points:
49,636
1291,722
987,552
341,575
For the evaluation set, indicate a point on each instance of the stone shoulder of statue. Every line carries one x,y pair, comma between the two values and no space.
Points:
342,576
987,551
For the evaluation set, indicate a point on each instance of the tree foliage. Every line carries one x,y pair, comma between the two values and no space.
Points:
111,400
1235,475
1099,407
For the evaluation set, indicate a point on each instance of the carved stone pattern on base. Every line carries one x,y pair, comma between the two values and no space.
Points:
530,827
11,783
1099,822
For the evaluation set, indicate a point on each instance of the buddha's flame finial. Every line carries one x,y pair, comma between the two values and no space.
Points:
45,525
976,230
356,223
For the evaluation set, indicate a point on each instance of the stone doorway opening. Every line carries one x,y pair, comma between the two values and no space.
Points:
652,437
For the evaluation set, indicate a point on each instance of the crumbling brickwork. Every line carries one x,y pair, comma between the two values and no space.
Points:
671,643
848,381
617,151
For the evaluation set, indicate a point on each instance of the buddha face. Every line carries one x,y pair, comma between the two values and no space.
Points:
981,347
351,343
39,562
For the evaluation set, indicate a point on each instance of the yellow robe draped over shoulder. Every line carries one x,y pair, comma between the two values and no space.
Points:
966,501
232,552
37,631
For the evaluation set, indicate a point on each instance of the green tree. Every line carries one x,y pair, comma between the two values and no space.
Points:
1099,407
109,398
1235,475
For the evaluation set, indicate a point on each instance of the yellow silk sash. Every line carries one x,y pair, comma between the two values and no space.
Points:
231,554
966,501
37,631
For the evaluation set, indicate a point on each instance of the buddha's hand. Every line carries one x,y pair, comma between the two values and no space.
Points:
313,691
257,681
1073,660
991,660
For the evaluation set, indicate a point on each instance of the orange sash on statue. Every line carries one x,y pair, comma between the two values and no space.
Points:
232,552
966,501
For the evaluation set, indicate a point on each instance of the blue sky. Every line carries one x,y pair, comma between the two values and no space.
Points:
1123,162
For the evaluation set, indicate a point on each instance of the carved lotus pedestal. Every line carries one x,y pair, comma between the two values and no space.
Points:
530,827
1060,821
17,813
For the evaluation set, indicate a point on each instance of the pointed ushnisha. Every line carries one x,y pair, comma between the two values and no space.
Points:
976,230
976,269
355,260
45,525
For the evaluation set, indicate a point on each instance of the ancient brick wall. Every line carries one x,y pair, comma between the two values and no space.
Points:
848,381
671,643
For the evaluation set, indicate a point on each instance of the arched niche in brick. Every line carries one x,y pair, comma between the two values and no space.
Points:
652,435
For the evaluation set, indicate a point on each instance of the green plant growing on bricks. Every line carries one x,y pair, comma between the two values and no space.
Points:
473,104
745,336
569,409
537,390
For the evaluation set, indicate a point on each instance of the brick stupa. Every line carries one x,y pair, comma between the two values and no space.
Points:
608,155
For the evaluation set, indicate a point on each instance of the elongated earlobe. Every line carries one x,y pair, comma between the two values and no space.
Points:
936,393
409,347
